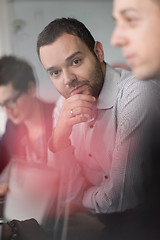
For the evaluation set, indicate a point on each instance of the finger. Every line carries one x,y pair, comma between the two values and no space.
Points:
70,109
82,104
81,111
81,97
78,119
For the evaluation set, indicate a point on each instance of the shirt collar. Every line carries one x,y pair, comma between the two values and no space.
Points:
109,90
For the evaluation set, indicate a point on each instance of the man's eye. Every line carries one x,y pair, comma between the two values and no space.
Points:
76,61
54,73
131,19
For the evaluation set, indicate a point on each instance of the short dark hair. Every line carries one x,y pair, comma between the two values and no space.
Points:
17,72
65,25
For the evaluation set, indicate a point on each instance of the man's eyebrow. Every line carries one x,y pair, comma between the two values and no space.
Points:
50,69
67,60
72,56
124,11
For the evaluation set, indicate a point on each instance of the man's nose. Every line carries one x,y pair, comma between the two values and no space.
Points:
7,110
118,38
68,77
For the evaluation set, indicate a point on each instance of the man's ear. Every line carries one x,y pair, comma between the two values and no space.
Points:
98,49
32,89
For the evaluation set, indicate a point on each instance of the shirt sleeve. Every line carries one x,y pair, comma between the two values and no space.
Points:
70,182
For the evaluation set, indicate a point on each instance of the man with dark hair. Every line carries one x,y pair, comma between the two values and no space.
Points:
98,139
29,122
56,28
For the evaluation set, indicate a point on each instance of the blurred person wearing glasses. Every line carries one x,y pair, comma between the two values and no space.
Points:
29,123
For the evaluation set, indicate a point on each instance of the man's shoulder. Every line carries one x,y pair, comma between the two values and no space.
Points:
133,93
129,83
46,105
12,130
47,109
11,126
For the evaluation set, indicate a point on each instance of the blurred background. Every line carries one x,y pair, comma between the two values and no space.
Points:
22,20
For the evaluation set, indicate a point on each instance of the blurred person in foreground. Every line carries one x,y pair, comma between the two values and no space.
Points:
29,123
137,33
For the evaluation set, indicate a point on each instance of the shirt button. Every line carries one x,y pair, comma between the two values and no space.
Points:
90,155
106,177
91,126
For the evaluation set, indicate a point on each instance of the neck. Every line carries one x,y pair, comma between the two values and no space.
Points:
103,66
34,123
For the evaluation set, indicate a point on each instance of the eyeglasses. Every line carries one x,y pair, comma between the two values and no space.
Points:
12,102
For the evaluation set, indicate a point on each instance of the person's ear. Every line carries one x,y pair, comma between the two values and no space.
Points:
98,49
32,89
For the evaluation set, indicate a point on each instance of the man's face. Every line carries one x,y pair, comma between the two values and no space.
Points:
137,32
71,66
17,105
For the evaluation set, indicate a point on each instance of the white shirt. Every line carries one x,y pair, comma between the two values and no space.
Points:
105,162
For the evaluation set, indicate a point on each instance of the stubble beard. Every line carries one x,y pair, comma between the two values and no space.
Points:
94,84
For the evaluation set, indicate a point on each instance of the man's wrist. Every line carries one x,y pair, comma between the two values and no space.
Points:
58,147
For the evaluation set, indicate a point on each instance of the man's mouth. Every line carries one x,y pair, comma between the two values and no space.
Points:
130,59
13,117
77,90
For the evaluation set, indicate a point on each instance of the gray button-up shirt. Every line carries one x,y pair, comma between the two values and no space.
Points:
105,163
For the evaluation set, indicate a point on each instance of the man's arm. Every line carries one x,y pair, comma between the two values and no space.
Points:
73,111
131,160
61,155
